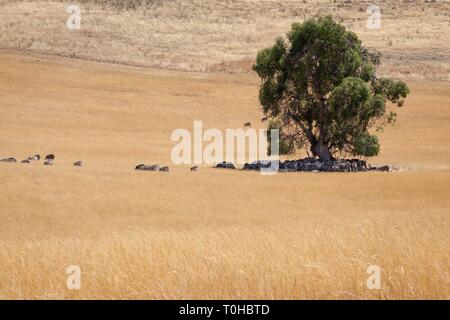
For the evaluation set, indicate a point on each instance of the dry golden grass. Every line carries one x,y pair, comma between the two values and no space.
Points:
224,35
214,233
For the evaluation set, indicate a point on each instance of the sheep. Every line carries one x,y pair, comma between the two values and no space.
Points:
50,157
226,165
155,167
141,167
34,158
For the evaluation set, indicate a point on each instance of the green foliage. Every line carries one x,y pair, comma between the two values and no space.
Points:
320,85
366,145
394,91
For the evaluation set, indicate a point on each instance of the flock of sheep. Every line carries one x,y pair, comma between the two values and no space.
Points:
157,167
48,160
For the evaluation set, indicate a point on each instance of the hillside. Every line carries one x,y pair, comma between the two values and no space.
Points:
223,36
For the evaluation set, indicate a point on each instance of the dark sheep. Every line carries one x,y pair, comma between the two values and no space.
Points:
141,167
155,167
226,165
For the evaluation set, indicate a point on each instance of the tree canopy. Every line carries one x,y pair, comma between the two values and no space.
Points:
320,88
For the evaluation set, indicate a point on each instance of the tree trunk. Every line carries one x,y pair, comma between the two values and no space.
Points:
320,150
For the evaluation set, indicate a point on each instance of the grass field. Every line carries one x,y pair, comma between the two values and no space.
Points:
213,233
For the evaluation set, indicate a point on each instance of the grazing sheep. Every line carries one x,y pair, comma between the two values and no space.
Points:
141,167
247,124
34,158
8,160
50,157
155,167
226,165
78,164
48,162
194,168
